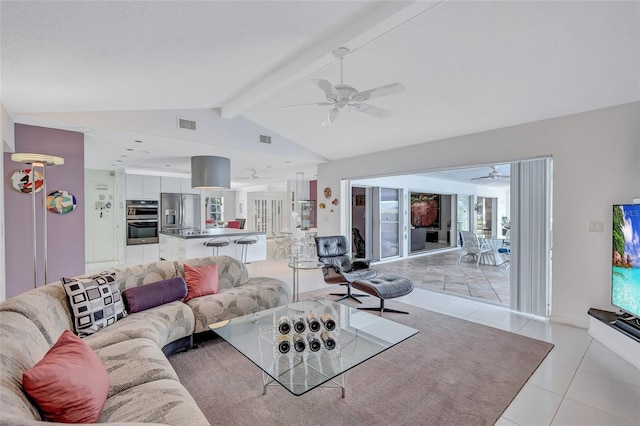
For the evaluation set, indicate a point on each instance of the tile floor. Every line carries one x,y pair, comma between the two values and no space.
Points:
581,382
440,271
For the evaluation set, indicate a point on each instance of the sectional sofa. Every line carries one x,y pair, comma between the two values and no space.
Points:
142,385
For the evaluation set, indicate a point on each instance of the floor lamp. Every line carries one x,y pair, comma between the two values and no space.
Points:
38,160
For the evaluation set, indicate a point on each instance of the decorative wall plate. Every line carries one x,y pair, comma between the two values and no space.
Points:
322,205
327,193
21,181
61,202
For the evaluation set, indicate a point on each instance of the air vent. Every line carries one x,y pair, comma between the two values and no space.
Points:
183,123
265,139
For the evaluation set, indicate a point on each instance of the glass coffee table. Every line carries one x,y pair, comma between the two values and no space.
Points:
320,355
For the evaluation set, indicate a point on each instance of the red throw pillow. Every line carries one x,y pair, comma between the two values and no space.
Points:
70,384
201,281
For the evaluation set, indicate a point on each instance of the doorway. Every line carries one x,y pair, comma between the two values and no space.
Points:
494,201
267,212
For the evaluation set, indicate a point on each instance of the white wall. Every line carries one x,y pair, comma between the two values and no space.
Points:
102,229
596,157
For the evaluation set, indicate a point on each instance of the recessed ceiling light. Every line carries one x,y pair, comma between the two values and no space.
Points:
129,149
123,156
268,167
118,161
287,162
137,141
167,165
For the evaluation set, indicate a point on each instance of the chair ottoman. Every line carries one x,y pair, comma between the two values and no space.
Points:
387,287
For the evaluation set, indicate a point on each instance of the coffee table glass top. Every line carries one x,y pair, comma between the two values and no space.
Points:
357,336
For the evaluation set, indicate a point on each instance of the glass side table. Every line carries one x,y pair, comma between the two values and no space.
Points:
297,264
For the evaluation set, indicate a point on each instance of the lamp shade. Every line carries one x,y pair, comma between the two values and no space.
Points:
37,159
208,171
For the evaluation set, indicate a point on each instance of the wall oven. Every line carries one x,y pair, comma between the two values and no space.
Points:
142,222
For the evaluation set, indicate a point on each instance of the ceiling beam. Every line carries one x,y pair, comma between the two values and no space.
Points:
368,27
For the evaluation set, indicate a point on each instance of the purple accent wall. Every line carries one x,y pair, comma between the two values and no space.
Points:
65,231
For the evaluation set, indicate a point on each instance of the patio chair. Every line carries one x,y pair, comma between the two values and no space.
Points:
472,248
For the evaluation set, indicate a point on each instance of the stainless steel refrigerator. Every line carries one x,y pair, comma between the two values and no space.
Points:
179,211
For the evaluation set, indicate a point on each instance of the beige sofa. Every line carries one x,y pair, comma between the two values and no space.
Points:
144,388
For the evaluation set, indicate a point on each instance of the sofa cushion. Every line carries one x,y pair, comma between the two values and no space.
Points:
146,273
22,345
162,325
138,299
231,272
51,299
201,281
133,362
258,294
95,302
160,401
70,384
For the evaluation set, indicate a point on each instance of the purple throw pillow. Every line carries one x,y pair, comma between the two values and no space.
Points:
138,299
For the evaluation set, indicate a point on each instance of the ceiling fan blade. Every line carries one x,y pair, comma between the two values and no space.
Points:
326,87
481,178
389,89
373,110
311,104
333,114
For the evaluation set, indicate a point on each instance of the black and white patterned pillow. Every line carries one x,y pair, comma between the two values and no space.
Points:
95,302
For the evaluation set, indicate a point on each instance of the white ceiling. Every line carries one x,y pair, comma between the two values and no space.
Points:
123,71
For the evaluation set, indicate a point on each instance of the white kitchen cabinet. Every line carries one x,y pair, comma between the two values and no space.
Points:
185,187
176,248
142,253
139,187
151,253
164,251
151,187
133,187
134,255
170,184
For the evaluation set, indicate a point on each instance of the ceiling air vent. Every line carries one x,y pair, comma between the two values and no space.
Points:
265,139
183,123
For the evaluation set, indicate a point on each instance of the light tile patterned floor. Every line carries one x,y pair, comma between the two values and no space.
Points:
441,272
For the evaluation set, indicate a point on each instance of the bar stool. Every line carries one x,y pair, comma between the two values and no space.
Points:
244,244
216,243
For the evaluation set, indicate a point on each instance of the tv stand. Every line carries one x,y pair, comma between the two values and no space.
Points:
616,334
629,328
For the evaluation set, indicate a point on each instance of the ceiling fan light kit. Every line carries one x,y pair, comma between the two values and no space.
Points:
343,95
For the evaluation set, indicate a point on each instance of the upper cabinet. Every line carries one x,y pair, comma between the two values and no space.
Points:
185,187
170,184
133,187
139,187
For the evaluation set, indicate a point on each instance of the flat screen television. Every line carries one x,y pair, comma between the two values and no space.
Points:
625,275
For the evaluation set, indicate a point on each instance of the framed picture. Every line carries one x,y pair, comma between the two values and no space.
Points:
360,200
425,210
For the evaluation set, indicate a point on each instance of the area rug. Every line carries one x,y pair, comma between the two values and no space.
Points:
453,372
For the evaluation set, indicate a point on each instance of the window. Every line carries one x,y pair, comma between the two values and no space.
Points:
215,208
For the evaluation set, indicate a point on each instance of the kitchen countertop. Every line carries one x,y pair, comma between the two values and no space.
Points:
188,234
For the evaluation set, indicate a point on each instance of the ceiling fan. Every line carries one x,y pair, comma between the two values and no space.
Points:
342,95
494,174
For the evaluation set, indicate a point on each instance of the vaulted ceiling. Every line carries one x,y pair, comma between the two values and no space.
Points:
125,71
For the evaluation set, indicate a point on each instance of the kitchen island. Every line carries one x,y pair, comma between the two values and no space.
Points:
181,244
